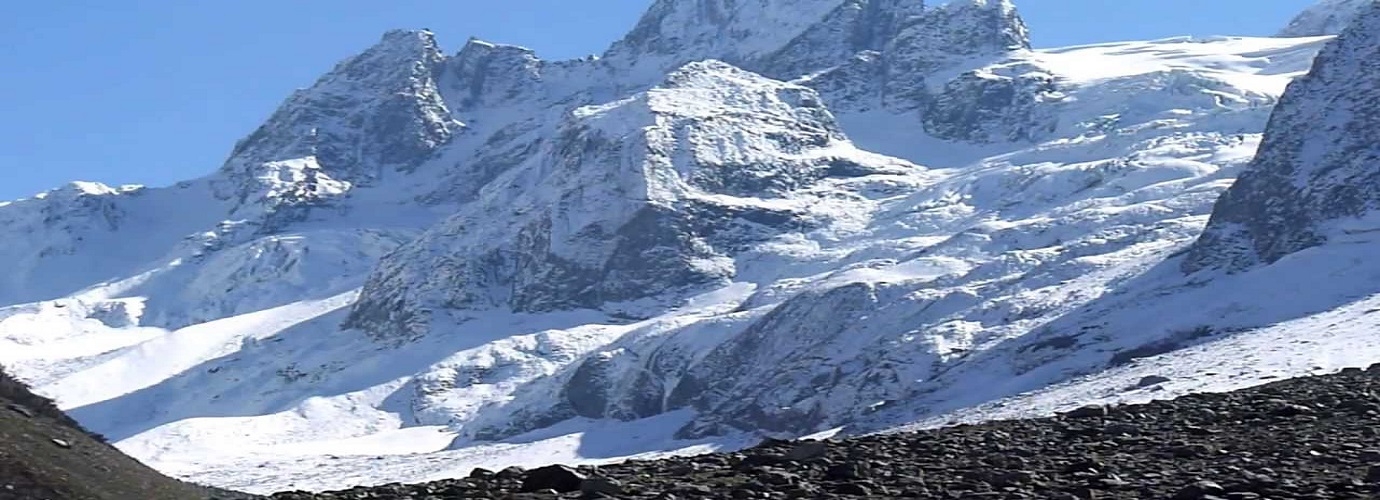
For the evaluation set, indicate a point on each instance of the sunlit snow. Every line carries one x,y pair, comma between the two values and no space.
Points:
244,379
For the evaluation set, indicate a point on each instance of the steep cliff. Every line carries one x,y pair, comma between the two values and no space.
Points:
1315,174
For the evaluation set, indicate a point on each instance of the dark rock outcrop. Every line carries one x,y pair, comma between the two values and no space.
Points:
44,454
376,112
1318,167
488,74
1327,17
980,107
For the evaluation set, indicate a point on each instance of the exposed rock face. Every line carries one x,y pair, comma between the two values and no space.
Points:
633,199
852,28
859,54
986,107
881,54
1327,17
963,28
754,380
977,106
484,74
376,112
1315,174
675,32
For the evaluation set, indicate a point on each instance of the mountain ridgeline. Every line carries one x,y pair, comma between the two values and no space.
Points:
889,45
1327,17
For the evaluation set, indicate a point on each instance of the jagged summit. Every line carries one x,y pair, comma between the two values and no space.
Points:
424,39
641,197
1327,17
793,39
491,74
400,102
373,113
736,31
972,27
1315,175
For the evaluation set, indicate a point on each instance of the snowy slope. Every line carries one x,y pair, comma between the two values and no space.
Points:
77,235
1280,283
1336,339
425,263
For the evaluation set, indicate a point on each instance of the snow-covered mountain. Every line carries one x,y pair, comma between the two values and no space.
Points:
1312,180
1281,282
746,217
641,199
1327,17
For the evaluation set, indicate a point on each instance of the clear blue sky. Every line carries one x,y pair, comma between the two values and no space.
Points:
155,91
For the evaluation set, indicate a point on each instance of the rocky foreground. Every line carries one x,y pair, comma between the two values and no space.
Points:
1313,438
1307,438
45,455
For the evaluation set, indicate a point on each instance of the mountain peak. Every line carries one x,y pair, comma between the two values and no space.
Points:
402,34
630,200
82,188
1327,17
731,30
976,26
788,40
376,111
493,74
397,46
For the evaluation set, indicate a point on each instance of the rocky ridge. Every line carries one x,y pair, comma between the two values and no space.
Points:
377,112
1327,17
598,216
1311,179
788,43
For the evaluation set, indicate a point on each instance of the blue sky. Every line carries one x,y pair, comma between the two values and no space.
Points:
156,91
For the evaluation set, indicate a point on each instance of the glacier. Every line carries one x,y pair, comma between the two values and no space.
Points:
745,219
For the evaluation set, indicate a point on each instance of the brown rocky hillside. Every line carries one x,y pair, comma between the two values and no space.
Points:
45,455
